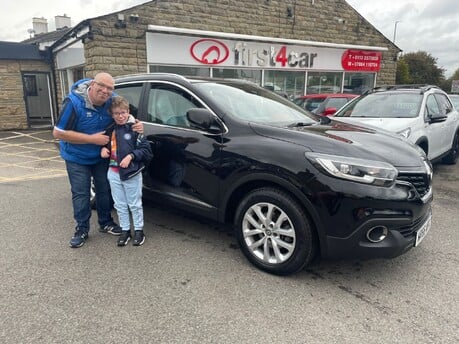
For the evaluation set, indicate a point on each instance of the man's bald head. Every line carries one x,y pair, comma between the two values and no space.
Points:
101,88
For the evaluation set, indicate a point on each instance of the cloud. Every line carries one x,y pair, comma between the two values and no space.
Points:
423,25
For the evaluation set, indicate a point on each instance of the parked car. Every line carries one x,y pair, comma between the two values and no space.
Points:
292,186
424,115
324,104
455,100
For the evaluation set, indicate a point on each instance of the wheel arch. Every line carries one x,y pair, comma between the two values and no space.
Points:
234,195
423,142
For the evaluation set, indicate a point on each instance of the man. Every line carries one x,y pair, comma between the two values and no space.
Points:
81,130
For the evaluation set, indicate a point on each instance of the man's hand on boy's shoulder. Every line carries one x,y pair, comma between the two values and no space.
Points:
138,126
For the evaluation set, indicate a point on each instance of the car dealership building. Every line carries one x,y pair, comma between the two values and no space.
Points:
292,47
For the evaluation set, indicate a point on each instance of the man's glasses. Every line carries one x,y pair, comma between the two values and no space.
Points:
121,113
101,85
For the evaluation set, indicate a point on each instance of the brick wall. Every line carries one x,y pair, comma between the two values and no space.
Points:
12,105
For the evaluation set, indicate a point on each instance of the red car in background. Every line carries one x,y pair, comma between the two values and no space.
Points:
324,104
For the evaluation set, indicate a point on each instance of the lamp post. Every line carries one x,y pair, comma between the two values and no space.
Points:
395,30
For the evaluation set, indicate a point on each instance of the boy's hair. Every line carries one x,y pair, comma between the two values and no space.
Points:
120,102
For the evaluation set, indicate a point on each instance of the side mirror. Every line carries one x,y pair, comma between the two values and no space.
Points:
203,119
437,118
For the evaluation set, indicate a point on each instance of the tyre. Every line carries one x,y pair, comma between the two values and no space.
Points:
273,232
451,157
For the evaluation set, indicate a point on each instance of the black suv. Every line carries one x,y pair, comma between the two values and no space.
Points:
293,185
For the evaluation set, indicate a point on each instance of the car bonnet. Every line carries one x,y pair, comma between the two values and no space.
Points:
343,139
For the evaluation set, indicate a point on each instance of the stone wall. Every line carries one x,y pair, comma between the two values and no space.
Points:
123,50
13,113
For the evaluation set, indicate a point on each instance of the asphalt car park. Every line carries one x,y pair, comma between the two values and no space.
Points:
190,284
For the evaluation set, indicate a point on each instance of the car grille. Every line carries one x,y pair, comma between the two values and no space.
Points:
410,230
420,181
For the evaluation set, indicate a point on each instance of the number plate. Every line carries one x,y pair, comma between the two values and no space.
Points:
422,232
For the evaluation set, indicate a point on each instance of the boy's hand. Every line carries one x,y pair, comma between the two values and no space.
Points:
126,161
105,152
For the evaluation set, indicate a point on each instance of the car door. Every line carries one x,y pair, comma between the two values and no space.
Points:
186,160
449,125
435,130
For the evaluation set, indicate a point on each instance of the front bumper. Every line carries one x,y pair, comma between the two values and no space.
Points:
401,237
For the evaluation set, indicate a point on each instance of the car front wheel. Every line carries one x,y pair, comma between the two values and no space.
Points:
273,232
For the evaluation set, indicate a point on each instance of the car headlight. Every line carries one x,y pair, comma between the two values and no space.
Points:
358,170
405,132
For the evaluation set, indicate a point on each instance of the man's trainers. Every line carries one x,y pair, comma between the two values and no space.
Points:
124,238
139,238
78,239
112,228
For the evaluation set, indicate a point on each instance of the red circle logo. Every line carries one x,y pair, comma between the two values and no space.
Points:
209,51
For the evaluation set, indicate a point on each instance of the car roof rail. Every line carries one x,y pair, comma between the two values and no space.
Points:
422,87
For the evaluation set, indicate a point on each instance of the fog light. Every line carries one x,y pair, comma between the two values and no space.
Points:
377,234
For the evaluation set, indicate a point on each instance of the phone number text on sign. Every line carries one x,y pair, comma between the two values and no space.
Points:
361,60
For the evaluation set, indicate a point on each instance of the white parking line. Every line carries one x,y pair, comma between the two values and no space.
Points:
30,162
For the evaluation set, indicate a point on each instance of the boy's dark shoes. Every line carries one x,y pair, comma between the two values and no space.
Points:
124,238
112,228
78,239
139,238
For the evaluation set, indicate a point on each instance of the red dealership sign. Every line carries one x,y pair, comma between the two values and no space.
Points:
209,51
361,60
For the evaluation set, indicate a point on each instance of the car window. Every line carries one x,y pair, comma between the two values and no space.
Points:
248,103
432,107
444,104
132,94
455,100
169,105
313,103
336,102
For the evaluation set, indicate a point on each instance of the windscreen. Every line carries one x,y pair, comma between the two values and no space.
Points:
383,105
254,104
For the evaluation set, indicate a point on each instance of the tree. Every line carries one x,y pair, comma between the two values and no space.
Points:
446,85
403,73
422,68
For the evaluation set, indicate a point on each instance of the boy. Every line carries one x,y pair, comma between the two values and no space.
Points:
128,152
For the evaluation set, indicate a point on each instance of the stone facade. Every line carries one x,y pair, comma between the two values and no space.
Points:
13,113
122,50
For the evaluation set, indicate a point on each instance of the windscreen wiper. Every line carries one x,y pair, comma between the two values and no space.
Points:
300,124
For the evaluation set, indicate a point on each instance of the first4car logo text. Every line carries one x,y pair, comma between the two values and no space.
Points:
213,52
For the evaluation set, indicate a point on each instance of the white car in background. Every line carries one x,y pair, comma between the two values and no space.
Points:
455,100
424,115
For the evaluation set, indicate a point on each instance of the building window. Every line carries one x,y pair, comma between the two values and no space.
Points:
69,77
30,85
324,82
189,71
287,83
78,74
64,83
358,83
253,75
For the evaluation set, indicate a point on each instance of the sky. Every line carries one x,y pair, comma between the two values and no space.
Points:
422,25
